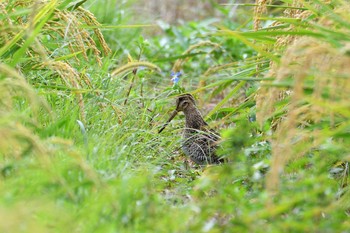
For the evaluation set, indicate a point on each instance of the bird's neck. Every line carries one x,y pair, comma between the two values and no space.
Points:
194,119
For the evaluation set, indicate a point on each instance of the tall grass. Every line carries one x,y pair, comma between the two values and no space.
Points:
78,142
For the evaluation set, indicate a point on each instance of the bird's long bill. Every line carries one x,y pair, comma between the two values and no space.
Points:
170,118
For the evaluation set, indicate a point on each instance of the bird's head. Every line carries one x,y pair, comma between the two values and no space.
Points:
183,102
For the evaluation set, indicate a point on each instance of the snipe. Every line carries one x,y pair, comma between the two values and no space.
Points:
199,142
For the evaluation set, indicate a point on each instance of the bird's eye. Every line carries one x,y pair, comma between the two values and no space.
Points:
184,104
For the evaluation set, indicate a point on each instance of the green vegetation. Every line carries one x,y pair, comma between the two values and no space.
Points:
83,95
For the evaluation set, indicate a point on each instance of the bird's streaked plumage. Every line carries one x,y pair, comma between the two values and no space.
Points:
199,141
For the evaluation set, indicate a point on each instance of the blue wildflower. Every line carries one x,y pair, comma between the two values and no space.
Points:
175,77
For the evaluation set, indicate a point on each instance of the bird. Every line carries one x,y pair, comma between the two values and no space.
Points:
199,141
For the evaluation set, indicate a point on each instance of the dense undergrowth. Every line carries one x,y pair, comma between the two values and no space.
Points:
80,111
